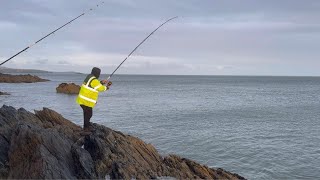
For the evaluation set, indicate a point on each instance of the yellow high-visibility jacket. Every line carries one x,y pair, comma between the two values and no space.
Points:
89,91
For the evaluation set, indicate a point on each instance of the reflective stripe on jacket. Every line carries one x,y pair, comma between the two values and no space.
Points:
89,91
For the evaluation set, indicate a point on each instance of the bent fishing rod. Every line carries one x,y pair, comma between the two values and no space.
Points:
140,45
69,22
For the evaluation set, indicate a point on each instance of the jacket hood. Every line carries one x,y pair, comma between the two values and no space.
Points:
96,72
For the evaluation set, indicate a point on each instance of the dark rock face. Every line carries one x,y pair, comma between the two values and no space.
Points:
45,145
36,146
4,93
39,153
68,88
8,78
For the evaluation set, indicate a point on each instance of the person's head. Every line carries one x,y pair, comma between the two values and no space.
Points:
96,72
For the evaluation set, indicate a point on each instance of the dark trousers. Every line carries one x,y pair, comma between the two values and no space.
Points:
87,114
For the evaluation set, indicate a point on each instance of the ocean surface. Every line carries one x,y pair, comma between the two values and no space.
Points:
258,127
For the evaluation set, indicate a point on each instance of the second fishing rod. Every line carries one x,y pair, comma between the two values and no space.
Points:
49,34
69,22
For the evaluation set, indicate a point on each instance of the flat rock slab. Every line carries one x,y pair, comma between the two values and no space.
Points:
8,78
68,88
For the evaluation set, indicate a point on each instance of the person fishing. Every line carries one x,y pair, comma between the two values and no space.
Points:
88,96
91,86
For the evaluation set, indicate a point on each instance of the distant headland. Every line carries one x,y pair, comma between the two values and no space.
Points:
14,70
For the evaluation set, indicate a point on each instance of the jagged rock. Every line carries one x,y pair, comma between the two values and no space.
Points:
38,153
4,93
8,78
183,168
45,145
66,88
38,145
83,161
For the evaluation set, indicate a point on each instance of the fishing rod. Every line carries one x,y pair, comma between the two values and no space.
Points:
69,22
139,45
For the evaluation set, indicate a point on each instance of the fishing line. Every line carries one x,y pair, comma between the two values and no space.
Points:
139,45
69,22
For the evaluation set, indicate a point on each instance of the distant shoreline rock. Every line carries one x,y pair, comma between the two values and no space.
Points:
12,70
4,93
8,78
68,88
44,145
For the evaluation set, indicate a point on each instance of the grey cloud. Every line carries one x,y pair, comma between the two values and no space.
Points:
4,25
63,62
227,35
41,61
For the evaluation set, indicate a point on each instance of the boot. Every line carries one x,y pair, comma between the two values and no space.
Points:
90,128
86,131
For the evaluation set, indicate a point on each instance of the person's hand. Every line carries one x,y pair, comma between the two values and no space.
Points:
104,81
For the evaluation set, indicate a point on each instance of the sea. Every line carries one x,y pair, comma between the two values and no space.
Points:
260,127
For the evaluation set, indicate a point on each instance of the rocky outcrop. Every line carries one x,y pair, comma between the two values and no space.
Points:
44,145
36,146
4,93
66,88
8,78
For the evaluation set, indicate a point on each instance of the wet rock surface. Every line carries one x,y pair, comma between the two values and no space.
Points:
4,93
8,78
68,88
44,145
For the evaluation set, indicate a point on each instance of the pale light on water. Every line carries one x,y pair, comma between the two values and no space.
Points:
258,127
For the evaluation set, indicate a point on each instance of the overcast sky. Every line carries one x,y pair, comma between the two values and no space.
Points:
210,37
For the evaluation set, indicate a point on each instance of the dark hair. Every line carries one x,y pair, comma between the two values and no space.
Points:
96,72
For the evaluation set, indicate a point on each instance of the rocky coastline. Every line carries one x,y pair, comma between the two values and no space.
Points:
8,78
44,145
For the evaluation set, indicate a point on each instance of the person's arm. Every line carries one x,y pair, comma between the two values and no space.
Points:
109,83
97,85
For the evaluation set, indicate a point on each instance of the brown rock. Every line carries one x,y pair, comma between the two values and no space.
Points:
8,78
183,168
126,157
45,145
66,88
